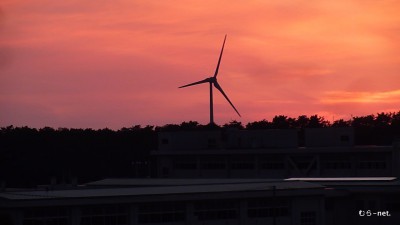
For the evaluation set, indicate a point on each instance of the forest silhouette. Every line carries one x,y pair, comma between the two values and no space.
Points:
30,156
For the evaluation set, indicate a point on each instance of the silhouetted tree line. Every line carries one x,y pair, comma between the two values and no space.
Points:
30,156
33,156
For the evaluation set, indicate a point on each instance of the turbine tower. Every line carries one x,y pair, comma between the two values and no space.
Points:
213,81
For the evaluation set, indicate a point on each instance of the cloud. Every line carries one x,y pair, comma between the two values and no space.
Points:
334,97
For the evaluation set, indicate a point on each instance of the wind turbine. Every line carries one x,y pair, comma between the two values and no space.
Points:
213,81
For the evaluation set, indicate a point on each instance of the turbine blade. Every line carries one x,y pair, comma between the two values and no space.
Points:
219,60
195,83
223,93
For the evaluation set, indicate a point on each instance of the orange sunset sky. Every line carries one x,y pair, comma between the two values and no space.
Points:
84,63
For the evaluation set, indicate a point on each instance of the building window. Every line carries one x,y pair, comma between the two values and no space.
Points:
259,208
213,166
337,165
308,218
372,165
161,212
185,166
44,216
216,210
242,166
105,215
304,165
272,165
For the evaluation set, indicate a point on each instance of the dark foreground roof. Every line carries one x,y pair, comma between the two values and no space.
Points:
161,187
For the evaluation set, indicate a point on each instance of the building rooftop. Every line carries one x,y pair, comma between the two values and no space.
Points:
352,183
189,187
146,182
341,179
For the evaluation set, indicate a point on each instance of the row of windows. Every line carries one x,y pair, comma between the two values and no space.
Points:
46,216
105,215
305,165
267,203
361,165
268,212
162,207
215,205
185,166
47,221
337,165
308,218
172,212
161,217
242,166
104,210
45,212
372,165
216,209
105,220
272,165
266,207
216,214
162,212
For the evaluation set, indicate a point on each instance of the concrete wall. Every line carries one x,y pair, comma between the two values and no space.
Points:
250,139
333,136
189,140
231,138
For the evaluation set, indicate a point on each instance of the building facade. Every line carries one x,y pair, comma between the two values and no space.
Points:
328,152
